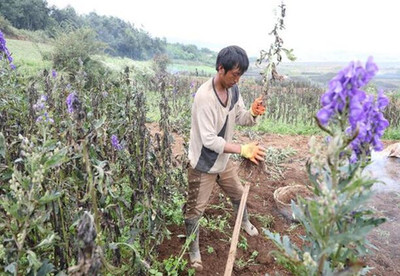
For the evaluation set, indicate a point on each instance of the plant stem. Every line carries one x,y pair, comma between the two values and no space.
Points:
92,190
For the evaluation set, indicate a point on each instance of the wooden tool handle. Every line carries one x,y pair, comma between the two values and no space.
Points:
236,231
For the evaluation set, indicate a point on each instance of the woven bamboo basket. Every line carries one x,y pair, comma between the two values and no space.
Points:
284,195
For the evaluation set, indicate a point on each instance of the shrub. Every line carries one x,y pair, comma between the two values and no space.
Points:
73,50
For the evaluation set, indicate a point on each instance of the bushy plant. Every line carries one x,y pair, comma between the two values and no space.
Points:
74,48
337,220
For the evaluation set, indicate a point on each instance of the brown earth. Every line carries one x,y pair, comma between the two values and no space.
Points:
260,202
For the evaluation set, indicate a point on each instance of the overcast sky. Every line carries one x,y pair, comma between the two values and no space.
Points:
317,30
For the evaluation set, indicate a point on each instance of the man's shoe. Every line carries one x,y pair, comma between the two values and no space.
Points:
246,224
249,228
192,228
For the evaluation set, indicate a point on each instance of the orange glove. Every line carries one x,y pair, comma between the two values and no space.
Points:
253,152
257,107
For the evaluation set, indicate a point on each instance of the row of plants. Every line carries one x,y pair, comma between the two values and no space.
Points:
85,187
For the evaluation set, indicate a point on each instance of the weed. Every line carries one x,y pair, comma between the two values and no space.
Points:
292,227
218,223
267,221
243,243
240,263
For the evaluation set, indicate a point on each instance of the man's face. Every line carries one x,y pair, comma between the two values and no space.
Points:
231,77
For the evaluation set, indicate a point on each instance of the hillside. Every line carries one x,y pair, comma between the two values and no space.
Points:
320,73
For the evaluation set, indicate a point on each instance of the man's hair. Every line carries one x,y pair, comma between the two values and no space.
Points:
231,57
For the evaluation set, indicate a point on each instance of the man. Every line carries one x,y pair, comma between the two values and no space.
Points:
216,109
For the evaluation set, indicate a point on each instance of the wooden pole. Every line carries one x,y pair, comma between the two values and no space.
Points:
236,231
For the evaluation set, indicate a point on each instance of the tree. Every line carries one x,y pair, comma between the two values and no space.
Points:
66,15
26,14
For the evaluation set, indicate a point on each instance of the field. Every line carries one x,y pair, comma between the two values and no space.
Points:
253,254
93,162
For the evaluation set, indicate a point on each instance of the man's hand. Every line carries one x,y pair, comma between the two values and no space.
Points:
253,152
257,107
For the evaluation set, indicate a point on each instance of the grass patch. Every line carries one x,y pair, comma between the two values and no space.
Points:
30,57
185,66
268,126
391,134
267,221
118,63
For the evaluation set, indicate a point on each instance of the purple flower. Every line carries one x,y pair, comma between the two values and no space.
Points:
54,73
41,103
41,108
345,101
115,142
382,100
70,102
5,51
45,118
324,115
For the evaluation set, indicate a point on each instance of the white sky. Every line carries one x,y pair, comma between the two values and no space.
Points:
317,30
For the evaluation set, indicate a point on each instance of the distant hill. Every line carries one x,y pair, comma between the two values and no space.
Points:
321,73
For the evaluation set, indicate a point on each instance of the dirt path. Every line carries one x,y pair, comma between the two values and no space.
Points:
214,244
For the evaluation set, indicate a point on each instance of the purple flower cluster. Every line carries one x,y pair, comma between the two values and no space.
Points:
371,126
115,143
41,108
345,99
70,102
4,51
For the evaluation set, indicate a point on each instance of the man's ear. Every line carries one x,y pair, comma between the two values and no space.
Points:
221,69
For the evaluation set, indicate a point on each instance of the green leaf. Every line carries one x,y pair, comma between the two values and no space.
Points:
49,197
50,144
57,159
45,269
47,241
33,260
289,54
100,122
11,268
5,176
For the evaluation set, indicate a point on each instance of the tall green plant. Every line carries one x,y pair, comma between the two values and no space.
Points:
337,220
27,238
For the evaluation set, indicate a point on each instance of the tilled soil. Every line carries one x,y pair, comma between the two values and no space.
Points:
214,244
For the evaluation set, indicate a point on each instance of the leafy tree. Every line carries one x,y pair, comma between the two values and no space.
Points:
26,14
66,15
